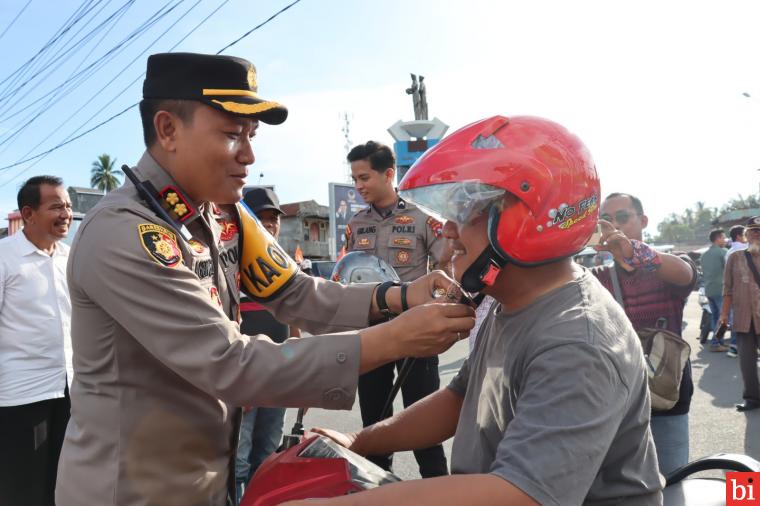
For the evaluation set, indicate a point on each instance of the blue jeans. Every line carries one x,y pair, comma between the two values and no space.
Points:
260,435
671,439
716,304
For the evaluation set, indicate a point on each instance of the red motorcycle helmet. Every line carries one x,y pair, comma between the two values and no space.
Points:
547,170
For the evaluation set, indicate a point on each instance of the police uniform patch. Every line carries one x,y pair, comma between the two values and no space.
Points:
404,220
403,257
197,246
348,232
436,226
215,295
177,205
402,241
160,243
229,229
363,241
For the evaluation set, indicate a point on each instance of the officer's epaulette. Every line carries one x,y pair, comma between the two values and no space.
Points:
173,211
176,204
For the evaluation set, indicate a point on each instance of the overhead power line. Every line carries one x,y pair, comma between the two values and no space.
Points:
70,137
110,53
15,18
67,25
102,123
85,74
118,76
246,34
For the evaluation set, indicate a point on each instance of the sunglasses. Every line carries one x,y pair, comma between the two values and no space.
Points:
621,217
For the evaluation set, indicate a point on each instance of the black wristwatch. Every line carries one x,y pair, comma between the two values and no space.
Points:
404,303
382,304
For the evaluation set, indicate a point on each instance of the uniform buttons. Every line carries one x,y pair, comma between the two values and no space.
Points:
334,395
340,357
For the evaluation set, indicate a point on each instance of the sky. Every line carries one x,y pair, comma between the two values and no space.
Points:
656,90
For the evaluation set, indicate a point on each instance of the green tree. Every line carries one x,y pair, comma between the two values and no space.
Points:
103,176
690,226
741,202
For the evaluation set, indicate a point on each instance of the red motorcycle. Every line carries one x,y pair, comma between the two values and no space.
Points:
311,466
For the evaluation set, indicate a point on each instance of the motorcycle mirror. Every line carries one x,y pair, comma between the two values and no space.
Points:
362,267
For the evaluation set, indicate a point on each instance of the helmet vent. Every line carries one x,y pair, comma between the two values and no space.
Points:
489,142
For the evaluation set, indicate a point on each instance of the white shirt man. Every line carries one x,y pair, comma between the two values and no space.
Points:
35,322
35,344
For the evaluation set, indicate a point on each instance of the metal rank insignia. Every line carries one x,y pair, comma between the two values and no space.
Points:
176,204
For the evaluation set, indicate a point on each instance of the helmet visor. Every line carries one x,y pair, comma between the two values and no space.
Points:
460,202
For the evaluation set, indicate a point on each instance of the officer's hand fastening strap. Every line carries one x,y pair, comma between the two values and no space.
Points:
265,268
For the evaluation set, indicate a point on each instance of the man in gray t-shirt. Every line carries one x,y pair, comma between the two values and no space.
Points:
554,401
553,406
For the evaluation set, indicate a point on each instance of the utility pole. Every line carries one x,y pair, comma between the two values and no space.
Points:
347,144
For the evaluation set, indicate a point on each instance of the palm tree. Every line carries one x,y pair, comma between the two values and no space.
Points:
103,176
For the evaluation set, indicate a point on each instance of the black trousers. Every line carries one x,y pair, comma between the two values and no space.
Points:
31,436
747,344
423,380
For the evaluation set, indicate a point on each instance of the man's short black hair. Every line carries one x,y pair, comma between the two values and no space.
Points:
29,193
715,233
379,156
736,231
183,109
634,200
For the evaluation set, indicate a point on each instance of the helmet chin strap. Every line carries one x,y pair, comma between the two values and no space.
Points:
484,270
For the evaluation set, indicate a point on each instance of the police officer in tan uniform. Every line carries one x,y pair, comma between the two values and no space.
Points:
408,239
160,363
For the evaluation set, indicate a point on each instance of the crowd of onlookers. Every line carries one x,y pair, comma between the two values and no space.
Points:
732,287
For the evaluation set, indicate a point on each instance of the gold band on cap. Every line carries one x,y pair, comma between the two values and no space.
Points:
232,93
247,108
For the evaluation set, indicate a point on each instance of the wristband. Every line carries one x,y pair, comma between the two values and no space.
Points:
382,304
404,304
644,257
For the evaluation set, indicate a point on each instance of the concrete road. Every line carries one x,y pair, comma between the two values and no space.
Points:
715,426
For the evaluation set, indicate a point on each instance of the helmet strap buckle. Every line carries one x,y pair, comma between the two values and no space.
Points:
489,278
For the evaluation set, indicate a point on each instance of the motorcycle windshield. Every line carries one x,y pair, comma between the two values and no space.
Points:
363,472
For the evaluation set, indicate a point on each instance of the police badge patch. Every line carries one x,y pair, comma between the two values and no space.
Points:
197,246
229,229
215,295
436,226
160,243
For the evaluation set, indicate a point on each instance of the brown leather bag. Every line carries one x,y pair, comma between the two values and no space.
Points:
665,354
